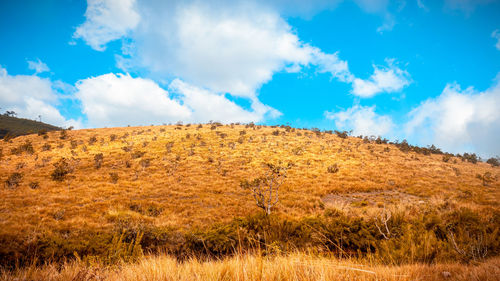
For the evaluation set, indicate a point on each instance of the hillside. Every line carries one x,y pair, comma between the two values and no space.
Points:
180,188
19,126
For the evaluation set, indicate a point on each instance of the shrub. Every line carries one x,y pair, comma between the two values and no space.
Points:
145,163
46,147
332,169
26,147
34,185
137,154
98,159
150,210
494,161
343,134
404,146
61,169
472,158
63,135
487,178
446,157
169,146
73,144
92,140
13,180
113,177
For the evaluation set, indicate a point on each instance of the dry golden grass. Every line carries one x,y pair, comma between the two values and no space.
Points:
296,267
195,182
202,185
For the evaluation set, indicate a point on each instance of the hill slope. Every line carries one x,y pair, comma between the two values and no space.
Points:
173,183
19,126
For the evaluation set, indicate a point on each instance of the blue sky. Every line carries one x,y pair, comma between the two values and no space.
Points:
426,71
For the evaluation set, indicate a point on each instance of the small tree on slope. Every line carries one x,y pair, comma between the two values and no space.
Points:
265,189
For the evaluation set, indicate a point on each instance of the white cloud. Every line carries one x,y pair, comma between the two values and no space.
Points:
232,48
120,100
38,66
459,120
30,96
362,120
206,106
496,35
330,63
384,79
107,20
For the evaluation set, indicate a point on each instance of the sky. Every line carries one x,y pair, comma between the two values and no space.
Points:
421,70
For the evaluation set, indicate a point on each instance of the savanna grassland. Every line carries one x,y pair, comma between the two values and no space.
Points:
168,203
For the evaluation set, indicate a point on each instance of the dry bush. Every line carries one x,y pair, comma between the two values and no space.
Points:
98,159
61,169
63,135
494,161
92,140
13,180
332,169
34,185
169,146
113,177
25,147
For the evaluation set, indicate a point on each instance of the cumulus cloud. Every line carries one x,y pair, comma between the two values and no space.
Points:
228,47
362,120
120,100
208,51
107,20
38,66
233,48
206,106
496,36
386,79
459,120
30,96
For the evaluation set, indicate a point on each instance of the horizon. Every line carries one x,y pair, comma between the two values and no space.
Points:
424,71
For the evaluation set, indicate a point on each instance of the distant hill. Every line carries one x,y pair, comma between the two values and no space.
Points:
20,126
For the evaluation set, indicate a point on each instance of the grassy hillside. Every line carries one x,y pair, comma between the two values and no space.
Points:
14,126
178,189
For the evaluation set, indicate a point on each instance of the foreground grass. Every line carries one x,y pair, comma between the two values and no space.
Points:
297,267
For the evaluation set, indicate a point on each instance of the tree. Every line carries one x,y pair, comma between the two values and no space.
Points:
265,189
10,113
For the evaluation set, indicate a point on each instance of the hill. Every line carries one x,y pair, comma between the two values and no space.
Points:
181,189
14,126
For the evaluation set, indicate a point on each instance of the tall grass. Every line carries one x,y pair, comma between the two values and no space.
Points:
296,267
